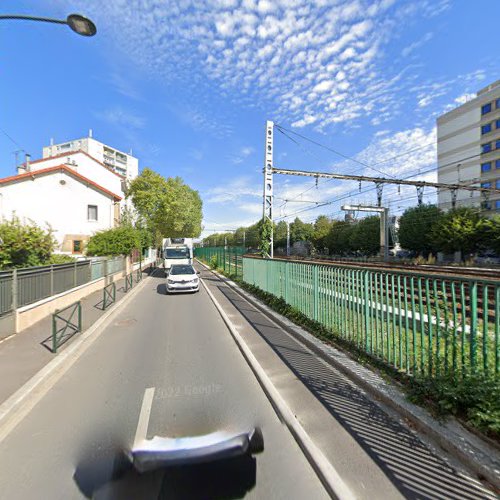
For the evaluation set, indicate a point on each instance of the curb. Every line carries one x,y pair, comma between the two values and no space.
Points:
326,472
19,404
475,454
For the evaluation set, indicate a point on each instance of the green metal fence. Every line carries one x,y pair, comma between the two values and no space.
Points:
419,324
108,295
70,325
229,259
21,287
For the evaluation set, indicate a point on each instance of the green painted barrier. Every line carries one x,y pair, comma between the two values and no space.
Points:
229,259
69,326
108,295
419,324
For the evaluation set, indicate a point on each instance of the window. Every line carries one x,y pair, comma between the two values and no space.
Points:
497,163
486,148
486,108
497,144
497,124
486,184
486,128
77,246
498,103
92,212
497,184
486,167
497,204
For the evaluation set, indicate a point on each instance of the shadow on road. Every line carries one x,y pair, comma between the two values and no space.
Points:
405,459
111,475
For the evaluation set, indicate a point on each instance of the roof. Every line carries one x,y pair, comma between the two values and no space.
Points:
67,153
59,168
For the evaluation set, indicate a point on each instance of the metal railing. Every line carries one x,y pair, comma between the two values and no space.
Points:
415,323
129,282
60,334
229,259
20,287
108,295
138,275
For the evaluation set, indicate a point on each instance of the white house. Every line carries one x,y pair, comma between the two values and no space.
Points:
75,200
85,165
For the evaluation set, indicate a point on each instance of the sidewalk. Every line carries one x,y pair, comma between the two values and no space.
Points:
22,355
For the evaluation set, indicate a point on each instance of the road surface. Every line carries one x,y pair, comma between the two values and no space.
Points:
179,346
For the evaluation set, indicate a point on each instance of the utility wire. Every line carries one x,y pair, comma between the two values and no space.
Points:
328,148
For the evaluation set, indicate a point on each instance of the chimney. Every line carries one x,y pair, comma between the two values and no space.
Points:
90,133
51,141
27,162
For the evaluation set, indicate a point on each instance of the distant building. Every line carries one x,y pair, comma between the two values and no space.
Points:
122,163
468,148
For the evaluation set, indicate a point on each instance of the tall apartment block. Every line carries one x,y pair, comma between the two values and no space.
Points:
122,163
468,149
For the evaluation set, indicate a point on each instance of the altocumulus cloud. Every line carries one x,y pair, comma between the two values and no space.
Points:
311,61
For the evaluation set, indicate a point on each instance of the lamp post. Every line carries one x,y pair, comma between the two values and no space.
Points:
78,23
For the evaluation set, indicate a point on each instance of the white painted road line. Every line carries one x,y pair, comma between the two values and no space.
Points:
327,473
142,424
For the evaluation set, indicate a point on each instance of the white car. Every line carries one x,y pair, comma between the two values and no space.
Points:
182,278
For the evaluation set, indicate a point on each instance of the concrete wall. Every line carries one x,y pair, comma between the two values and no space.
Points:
28,315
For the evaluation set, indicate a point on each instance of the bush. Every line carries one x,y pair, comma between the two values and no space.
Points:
24,245
117,241
60,258
214,262
476,399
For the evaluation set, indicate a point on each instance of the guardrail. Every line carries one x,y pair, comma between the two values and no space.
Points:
20,287
229,259
415,323
108,295
60,335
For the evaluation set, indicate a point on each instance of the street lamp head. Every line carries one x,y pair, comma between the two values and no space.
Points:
81,25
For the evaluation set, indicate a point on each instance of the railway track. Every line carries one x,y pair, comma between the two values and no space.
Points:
432,270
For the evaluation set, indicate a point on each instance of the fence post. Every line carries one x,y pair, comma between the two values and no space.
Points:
315,293
473,325
14,289
287,279
74,275
51,280
366,299
79,316
105,268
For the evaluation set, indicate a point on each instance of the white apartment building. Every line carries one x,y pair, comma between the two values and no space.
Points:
122,163
468,149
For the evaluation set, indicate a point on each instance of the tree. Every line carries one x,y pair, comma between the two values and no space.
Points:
462,229
365,235
279,237
492,234
24,245
322,228
117,241
338,237
265,228
168,207
415,228
300,231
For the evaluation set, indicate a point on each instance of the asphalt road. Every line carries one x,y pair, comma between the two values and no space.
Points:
70,445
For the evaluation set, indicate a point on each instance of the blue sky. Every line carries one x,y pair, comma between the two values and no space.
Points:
189,85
